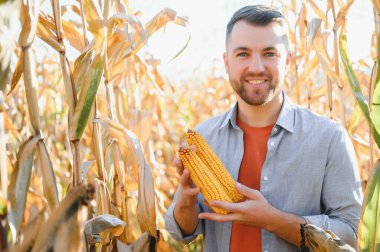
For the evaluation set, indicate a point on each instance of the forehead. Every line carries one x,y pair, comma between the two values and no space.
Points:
251,36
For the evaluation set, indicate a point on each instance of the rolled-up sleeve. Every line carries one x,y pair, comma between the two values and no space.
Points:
173,228
341,197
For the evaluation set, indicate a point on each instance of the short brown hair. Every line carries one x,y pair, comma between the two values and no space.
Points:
259,15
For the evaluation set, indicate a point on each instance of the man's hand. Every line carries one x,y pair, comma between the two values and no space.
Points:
186,210
256,211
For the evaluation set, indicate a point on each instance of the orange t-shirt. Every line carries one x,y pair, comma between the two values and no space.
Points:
244,237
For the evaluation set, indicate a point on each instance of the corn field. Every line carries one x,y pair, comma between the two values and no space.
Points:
87,146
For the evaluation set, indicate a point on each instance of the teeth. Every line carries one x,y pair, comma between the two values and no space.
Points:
256,81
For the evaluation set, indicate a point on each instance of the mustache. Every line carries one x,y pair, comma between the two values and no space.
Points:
252,75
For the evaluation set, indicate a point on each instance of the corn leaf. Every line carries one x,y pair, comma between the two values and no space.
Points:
16,74
81,67
350,73
18,188
66,210
141,244
104,223
340,19
369,230
31,86
86,98
146,196
48,176
321,240
73,35
30,232
69,230
376,101
29,21
3,154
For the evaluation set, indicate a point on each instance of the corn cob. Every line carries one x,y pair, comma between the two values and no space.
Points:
216,166
203,178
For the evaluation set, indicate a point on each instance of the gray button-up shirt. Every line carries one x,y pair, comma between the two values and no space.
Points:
310,170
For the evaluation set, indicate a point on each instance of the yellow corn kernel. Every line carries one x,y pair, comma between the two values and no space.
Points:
209,157
203,178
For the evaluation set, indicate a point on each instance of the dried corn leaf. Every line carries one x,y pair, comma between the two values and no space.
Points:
313,29
340,19
142,244
73,35
16,74
98,151
3,154
321,240
104,223
19,185
350,73
86,98
123,19
30,232
81,67
94,19
317,11
68,236
29,21
30,81
146,196
160,20
65,212
48,176
369,234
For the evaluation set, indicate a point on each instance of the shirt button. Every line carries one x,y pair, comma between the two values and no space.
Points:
265,250
265,178
271,144
275,129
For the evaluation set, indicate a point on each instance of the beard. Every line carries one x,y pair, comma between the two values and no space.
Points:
258,96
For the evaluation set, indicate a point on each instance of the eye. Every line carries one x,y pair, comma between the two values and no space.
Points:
242,54
270,54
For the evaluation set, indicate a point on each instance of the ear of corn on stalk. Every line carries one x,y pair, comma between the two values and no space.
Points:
208,172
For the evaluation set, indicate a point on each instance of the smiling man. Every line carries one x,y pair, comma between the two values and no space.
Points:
292,165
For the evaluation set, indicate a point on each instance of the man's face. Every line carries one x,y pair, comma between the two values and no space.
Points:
256,59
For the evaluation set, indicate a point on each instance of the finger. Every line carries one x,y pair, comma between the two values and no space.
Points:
193,191
247,192
218,217
185,180
178,165
228,206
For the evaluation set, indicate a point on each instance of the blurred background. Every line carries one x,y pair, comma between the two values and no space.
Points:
102,93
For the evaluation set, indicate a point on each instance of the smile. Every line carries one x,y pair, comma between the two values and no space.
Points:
256,81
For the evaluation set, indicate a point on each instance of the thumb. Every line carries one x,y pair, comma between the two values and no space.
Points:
249,193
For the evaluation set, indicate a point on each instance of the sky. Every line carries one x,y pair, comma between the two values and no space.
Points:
206,28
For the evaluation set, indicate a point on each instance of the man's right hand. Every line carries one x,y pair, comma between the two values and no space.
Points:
186,210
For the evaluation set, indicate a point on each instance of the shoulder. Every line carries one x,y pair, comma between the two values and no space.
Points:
213,124
317,124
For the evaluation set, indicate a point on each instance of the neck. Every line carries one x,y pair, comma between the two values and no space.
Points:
260,115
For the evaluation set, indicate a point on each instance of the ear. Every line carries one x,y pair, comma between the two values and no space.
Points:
226,65
288,58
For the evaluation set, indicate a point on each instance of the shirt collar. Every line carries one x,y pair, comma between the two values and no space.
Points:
286,118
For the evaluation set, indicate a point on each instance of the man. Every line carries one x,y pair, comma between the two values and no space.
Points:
293,166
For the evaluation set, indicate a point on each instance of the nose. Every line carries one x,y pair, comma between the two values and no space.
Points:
256,64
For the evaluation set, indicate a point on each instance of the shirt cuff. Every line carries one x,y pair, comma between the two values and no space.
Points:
173,228
321,221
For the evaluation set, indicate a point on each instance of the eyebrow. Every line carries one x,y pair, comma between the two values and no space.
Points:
244,48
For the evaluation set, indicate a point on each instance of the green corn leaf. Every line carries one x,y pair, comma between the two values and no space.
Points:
376,101
86,98
369,227
354,83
